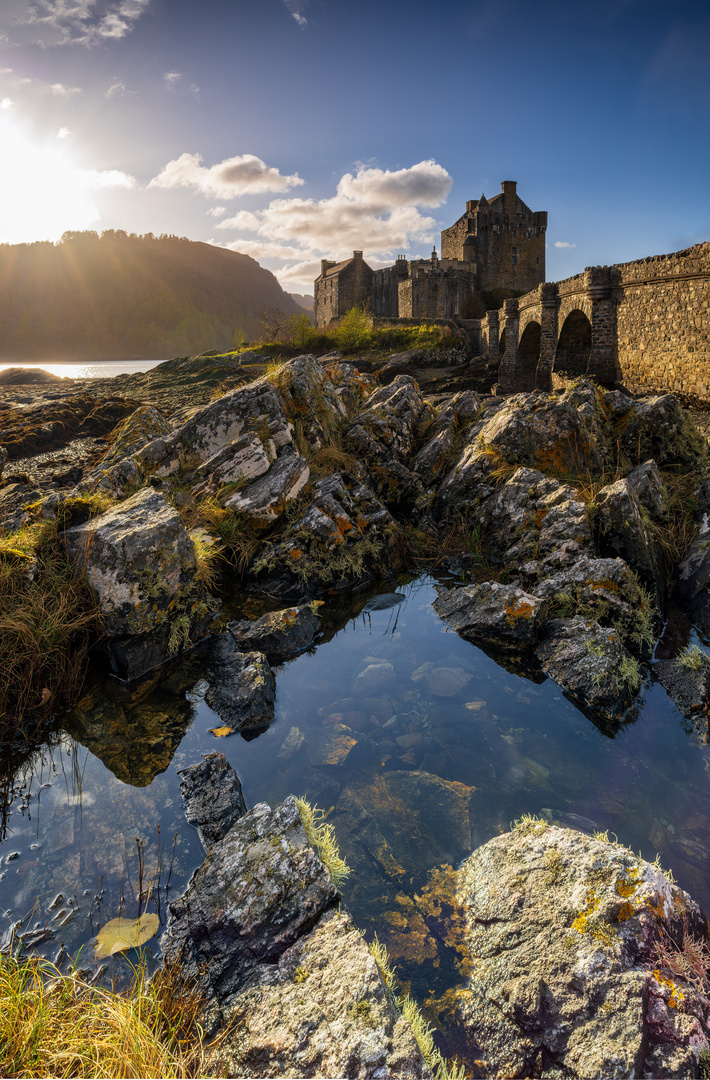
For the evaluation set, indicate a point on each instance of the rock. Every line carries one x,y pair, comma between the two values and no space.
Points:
293,742
647,482
659,428
242,685
257,927
312,400
388,425
621,530
591,664
374,677
688,687
3,459
693,574
560,434
468,485
266,498
446,682
143,425
563,932
493,613
434,458
139,562
13,376
340,539
278,633
214,799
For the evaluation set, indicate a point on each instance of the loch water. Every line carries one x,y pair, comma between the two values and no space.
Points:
418,745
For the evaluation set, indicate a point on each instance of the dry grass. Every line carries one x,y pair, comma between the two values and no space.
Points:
47,620
681,954
57,1026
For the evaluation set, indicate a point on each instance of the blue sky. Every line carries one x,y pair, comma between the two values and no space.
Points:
300,129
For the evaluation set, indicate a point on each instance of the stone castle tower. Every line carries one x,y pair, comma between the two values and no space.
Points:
496,247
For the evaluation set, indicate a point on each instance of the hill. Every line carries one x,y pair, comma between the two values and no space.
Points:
126,295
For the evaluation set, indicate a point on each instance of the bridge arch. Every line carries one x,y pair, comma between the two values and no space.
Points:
501,344
574,345
529,351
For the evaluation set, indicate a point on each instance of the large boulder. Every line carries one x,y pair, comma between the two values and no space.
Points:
259,930
621,530
141,427
576,948
435,457
265,499
659,428
213,798
693,575
139,562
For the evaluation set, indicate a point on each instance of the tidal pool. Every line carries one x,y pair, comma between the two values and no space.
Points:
419,746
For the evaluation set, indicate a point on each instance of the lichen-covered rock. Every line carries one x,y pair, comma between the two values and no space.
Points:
621,530
659,428
687,685
242,685
560,434
434,458
387,427
3,459
591,664
493,613
258,928
265,499
141,427
139,562
564,932
278,633
341,538
647,482
213,798
693,574
467,485
311,399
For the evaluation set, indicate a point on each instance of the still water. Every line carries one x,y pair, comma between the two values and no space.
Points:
100,369
419,745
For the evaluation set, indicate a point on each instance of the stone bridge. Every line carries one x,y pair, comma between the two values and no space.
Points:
644,324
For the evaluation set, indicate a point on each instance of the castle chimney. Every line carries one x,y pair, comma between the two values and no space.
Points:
357,255
509,196
470,206
324,264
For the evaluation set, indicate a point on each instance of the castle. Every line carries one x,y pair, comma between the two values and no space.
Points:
495,250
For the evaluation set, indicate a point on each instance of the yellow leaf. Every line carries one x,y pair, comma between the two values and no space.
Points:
121,934
221,731
46,695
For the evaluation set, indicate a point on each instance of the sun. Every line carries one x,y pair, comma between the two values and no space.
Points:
44,191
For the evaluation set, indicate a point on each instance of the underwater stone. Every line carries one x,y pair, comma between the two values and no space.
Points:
242,685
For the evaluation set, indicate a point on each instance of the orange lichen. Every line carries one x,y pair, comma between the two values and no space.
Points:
625,912
519,609
295,553
676,994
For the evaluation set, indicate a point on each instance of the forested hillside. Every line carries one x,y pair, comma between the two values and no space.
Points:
121,295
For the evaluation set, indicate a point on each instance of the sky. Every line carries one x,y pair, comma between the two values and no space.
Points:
296,130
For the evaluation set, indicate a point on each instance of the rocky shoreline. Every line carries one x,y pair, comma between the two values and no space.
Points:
575,522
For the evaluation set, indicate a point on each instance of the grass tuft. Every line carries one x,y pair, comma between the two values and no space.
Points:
56,1025
322,837
692,658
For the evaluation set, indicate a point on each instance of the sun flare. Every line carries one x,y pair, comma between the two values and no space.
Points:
43,189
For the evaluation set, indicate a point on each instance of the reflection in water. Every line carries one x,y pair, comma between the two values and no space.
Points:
420,747
98,369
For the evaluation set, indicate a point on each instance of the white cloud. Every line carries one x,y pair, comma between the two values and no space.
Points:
564,244
171,79
296,7
376,211
70,22
63,132
6,103
217,211
242,175
59,90
424,184
106,178
118,89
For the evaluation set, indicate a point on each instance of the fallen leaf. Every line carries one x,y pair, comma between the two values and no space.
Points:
121,934
46,695
220,732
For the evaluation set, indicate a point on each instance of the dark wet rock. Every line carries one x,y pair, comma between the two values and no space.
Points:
659,428
591,664
140,563
242,685
433,461
647,482
69,478
688,686
345,536
278,633
621,530
213,797
493,613
257,927
693,574
3,459
44,425
562,931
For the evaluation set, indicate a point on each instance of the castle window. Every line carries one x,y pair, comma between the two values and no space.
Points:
515,259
